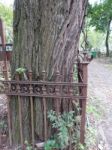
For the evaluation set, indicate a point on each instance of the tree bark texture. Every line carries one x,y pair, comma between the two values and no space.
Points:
107,38
46,37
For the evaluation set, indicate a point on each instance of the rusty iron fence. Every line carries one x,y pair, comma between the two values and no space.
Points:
8,54
57,90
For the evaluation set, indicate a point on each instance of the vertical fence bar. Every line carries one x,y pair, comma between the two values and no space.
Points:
80,80
70,90
57,92
32,109
64,79
8,108
84,101
44,107
20,111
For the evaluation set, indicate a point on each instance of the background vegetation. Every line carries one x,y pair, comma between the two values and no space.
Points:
6,14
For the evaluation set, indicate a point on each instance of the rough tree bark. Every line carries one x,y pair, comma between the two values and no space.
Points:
46,36
107,38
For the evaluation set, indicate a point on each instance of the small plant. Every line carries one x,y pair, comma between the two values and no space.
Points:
66,130
28,146
95,111
20,70
50,144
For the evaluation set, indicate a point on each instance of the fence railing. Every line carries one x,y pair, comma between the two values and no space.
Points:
57,90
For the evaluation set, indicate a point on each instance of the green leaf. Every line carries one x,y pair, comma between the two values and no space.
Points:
20,70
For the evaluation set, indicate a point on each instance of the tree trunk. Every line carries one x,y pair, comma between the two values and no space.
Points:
107,38
46,37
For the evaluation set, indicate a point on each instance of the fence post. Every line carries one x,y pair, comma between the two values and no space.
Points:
84,101
32,109
44,105
71,89
70,92
5,73
57,92
20,111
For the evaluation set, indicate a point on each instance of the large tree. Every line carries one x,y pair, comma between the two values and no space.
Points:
46,36
100,18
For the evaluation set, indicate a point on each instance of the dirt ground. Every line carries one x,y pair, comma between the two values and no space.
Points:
100,87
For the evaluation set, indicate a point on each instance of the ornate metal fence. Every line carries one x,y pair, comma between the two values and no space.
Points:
57,90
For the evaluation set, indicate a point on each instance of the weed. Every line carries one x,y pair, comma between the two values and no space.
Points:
67,131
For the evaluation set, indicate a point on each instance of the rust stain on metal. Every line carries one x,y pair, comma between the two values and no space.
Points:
59,90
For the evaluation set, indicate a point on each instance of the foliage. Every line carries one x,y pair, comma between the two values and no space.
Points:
66,132
28,146
95,40
50,144
91,137
6,14
100,14
100,18
20,70
62,123
95,111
